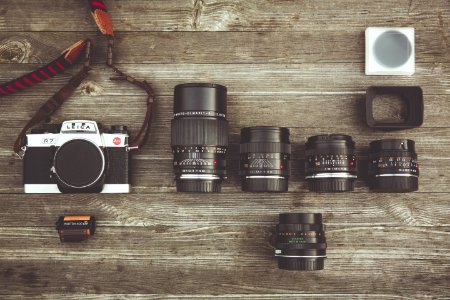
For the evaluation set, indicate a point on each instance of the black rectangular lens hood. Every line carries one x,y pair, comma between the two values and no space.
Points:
411,95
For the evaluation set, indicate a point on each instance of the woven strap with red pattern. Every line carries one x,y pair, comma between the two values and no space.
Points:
67,58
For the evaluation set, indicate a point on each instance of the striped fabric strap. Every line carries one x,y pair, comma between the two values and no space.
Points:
67,58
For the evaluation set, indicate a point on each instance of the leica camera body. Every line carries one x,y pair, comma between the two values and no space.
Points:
76,157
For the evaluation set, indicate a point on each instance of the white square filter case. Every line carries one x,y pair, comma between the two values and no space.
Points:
390,51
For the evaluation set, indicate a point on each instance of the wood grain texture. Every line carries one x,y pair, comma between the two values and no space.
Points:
210,47
298,64
234,15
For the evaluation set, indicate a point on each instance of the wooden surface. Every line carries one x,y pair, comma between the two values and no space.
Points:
298,64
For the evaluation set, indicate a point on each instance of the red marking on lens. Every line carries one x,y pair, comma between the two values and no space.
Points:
281,166
215,162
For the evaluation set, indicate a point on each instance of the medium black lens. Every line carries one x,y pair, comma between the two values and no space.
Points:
393,166
301,243
199,136
330,163
265,154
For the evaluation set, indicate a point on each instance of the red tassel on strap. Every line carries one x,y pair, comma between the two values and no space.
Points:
101,17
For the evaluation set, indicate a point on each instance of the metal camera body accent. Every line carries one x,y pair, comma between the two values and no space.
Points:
76,157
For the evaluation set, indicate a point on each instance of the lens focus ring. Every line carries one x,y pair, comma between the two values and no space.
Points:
199,131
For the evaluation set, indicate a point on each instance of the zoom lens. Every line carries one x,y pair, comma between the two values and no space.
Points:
330,163
265,154
301,243
393,166
199,136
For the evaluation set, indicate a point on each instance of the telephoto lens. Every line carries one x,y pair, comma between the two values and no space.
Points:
301,243
330,163
393,166
199,136
265,155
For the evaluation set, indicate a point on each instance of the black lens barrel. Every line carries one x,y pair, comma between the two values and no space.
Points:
301,243
393,166
264,162
199,136
330,164
192,98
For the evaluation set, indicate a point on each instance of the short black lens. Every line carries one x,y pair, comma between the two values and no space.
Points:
330,163
199,136
265,155
393,166
301,243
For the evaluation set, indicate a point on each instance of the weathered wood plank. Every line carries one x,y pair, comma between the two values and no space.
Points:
248,79
162,276
235,15
163,212
210,47
227,246
234,296
300,59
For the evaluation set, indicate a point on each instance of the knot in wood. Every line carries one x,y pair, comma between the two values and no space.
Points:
15,51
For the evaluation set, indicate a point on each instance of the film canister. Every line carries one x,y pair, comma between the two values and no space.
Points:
75,228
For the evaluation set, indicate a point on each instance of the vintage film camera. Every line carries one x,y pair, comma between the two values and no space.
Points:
76,157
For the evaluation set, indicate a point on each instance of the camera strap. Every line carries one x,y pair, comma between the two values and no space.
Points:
67,58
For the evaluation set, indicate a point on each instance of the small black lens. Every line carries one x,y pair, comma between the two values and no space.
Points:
199,136
393,166
330,163
301,243
265,154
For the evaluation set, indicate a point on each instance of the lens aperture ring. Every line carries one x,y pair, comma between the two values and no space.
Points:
394,165
199,160
331,163
252,164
